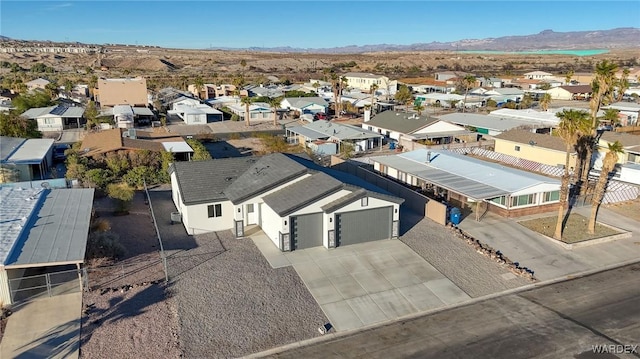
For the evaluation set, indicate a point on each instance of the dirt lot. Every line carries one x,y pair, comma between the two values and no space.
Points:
575,229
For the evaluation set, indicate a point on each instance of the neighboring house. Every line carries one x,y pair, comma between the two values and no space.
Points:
42,230
195,113
469,181
505,94
268,91
630,144
25,159
7,95
633,77
328,137
363,81
125,116
357,99
493,125
295,202
444,100
450,75
37,84
125,91
577,92
394,125
118,139
258,111
538,75
207,91
56,118
226,90
542,119
537,147
629,112
493,82
303,105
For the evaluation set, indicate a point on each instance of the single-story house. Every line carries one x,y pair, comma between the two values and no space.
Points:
505,94
296,203
466,180
303,105
439,99
494,125
539,118
450,75
119,139
576,92
56,118
537,75
266,91
195,113
394,125
37,84
630,144
629,112
25,159
537,147
328,137
257,111
41,229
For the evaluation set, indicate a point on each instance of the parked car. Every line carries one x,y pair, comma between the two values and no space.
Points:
59,152
320,116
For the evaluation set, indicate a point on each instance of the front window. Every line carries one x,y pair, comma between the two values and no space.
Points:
524,200
551,196
214,210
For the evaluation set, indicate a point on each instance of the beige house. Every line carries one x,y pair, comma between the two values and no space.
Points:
630,144
363,81
125,91
537,147
576,92
37,84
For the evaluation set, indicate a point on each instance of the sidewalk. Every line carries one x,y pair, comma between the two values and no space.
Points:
549,260
44,328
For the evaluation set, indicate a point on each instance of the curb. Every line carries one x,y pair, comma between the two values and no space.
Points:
337,335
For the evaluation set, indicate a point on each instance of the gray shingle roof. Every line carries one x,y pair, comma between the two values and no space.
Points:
341,131
300,102
400,122
205,181
302,193
267,173
356,195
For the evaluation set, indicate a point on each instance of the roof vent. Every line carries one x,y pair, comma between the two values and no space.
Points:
428,156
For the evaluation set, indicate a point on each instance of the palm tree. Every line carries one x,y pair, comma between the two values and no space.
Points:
468,81
610,116
316,85
568,76
373,89
573,124
623,84
418,107
336,89
608,164
246,101
602,87
198,83
545,101
344,82
275,103
243,63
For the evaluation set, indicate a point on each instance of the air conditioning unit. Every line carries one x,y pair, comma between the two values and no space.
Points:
176,217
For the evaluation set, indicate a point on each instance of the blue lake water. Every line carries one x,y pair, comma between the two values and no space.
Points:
540,52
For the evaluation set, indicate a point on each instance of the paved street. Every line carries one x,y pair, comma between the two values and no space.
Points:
549,260
562,320
366,283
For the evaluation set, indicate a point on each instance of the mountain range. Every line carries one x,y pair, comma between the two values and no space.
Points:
545,40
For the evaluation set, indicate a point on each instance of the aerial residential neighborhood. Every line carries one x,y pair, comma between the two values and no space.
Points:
183,202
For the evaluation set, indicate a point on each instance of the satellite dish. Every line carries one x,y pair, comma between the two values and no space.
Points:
45,185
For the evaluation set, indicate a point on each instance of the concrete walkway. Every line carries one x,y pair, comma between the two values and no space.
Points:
547,259
363,284
44,328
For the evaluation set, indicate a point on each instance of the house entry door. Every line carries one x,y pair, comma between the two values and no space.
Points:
252,216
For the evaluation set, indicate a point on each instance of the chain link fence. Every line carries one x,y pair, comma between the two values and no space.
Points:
27,288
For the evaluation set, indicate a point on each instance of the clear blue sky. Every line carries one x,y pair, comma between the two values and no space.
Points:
307,24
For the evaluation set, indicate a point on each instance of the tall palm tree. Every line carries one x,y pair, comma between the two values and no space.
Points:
608,164
610,116
573,124
275,103
344,82
198,83
622,85
545,101
246,101
602,88
336,90
568,76
418,107
373,89
468,81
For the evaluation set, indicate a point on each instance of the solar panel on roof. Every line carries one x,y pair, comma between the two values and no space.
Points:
59,111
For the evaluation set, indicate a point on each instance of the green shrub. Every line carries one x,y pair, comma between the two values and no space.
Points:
137,176
104,245
122,193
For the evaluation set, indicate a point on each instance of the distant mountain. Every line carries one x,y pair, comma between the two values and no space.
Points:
545,40
4,38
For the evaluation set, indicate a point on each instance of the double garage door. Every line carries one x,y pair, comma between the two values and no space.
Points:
351,227
363,226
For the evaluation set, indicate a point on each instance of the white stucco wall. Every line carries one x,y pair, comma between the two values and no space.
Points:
56,124
441,126
195,218
272,224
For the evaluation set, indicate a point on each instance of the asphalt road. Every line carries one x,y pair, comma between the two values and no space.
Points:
562,320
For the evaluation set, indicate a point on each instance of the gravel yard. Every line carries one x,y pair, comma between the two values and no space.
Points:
474,273
229,301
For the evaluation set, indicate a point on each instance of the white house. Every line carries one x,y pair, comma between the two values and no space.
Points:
363,81
319,132
395,125
629,112
303,105
27,159
192,112
537,75
439,99
257,111
56,118
575,92
296,203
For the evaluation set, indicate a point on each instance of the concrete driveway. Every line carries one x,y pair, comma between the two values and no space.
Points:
363,284
44,328
549,260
